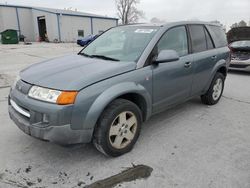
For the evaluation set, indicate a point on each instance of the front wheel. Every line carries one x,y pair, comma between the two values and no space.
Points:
118,128
214,93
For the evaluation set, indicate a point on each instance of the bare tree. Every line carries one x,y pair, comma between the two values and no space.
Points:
242,23
234,25
128,12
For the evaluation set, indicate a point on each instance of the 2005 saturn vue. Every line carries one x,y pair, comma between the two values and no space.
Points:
105,92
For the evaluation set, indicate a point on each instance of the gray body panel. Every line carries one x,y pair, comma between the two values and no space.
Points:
171,83
73,72
99,82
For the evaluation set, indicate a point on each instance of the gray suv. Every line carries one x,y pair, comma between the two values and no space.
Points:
105,92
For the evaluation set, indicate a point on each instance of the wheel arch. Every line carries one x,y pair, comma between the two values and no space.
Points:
136,93
222,70
220,67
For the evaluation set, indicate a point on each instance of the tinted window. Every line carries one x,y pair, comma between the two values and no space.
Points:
209,40
218,35
198,38
174,39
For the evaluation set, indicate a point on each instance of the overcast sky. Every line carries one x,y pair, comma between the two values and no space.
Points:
226,11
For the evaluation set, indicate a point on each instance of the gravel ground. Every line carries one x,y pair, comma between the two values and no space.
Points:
191,145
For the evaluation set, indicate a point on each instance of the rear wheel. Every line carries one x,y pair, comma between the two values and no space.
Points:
214,93
118,128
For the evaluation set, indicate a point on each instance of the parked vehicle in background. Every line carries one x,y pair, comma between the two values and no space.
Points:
240,55
83,41
239,39
238,33
117,82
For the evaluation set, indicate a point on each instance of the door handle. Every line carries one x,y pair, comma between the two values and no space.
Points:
187,64
214,57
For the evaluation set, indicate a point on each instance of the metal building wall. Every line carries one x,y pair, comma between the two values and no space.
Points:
51,24
26,23
8,18
102,24
1,20
69,26
19,19
61,27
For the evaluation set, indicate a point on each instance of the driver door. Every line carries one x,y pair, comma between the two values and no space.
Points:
172,80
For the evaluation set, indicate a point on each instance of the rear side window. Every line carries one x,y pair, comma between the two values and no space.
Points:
210,44
198,38
218,35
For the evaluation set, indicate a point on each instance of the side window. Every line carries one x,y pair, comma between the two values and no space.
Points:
210,44
198,38
218,35
174,39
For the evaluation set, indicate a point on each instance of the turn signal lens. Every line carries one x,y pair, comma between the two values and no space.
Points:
66,97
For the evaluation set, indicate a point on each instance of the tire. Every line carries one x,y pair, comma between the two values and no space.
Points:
214,93
118,128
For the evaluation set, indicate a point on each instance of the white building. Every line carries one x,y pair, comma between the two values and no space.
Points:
58,25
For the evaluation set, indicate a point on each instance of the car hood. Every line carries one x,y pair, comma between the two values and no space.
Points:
238,33
73,72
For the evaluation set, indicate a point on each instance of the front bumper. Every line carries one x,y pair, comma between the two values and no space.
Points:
58,134
43,120
240,65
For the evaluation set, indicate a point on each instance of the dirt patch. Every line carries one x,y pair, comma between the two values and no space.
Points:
130,174
5,80
28,169
17,178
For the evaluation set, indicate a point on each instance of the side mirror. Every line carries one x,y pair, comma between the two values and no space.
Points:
167,56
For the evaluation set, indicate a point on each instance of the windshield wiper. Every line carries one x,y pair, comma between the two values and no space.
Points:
104,57
86,55
99,56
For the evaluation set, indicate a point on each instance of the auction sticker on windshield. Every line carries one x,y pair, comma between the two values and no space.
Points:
144,30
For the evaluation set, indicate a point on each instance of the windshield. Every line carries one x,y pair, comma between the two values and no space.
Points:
243,43
124,43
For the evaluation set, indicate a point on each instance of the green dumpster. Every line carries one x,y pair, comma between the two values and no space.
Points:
9,36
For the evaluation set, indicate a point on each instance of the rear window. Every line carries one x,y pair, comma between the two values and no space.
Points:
218,35
243,43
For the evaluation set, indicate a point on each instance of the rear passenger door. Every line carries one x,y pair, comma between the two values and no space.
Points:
204,57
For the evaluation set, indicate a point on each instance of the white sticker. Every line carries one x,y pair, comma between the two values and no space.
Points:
144,30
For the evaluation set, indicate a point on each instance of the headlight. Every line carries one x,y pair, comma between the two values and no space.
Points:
51,95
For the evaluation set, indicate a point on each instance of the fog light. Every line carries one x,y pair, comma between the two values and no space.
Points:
45,118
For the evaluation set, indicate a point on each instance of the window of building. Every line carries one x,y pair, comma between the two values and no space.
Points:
80,33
